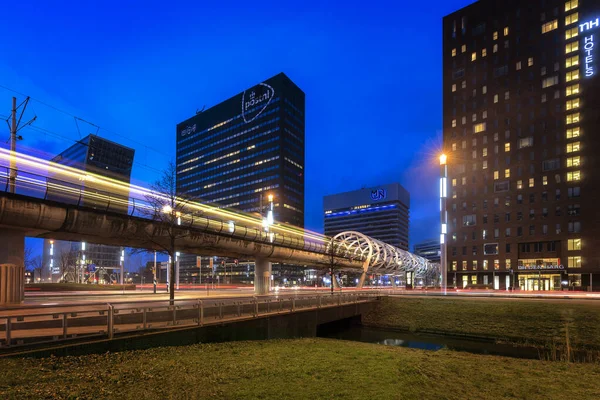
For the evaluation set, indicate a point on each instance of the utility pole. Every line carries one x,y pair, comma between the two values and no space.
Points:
14,128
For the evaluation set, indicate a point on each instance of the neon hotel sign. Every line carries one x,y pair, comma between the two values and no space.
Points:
588,46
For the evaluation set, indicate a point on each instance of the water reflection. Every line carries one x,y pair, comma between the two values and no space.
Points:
411,344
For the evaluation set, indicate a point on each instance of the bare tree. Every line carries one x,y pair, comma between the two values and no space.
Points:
172,211
333,250
28,257
67,264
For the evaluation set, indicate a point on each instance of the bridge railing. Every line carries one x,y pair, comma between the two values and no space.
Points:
50,181
100,321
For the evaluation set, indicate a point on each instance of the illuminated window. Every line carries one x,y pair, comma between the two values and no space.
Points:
571,47
479,127
484,165
453,52
484,91
573,118
453,146
507,95
573,176
495,98
571,104
463,180
495,48
574,262
571,19
506,147
530,61
574,244
573,162
496,35
454,182
571,5
573,147
464,266
454,264
485,265
483,52
474,56
484,152
572,61
454,123
519,184
550,81
518,65
531,182
571,33
507,173
506,31
573,89
507,264
463,84
496,175
550,26
454,87
573,133
463,48
544,180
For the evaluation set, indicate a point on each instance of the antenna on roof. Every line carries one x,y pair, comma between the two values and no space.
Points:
198,112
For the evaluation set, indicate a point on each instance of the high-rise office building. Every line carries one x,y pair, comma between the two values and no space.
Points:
429,249
238,152
521,110
75,261
241,151
381,212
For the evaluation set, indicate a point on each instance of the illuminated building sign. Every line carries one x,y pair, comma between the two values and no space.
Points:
254,104
188,130
588,47
379,194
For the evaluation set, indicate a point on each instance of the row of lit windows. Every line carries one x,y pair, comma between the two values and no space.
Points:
229,146
248,183
195,135
236,177
229,171
573,262
257,190
573,227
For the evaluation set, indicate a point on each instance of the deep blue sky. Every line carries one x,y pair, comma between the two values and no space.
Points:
371,73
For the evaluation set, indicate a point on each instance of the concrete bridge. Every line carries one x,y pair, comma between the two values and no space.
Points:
101,210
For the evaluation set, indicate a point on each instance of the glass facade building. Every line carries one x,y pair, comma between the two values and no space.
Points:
60,258
381,212
429,249
521,112
250,146
238,153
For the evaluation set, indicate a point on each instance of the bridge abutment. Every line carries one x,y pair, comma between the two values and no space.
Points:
12,267
262,276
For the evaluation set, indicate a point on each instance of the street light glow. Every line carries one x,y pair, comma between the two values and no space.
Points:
443,159
167,209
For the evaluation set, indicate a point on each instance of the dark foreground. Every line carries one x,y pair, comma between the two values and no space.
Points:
295,369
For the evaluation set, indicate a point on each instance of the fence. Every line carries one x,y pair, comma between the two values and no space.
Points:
28,326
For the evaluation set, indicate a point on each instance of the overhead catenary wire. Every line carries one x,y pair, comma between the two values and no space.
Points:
77,118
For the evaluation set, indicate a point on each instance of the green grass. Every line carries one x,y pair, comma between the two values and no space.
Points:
70,287
533,321
295,369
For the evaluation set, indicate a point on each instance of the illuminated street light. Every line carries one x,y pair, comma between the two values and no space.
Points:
443,221
167,209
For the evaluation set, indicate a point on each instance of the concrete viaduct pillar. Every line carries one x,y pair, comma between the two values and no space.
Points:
262,276
12,268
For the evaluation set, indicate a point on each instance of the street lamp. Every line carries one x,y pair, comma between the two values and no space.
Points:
443,221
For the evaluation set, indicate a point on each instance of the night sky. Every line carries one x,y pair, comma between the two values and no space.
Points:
371,73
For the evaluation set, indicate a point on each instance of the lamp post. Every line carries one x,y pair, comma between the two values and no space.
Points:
154,273
443,221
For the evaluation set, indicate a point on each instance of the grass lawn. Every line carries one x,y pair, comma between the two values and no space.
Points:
295,369
537,321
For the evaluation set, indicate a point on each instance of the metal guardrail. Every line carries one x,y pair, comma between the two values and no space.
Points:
105,320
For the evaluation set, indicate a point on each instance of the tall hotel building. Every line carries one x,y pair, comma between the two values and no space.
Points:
250,146
380,212
521,119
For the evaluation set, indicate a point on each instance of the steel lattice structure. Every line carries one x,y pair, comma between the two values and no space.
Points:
382,258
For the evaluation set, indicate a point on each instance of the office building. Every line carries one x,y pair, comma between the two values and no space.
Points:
241,151
250,146
521,110
429,249
381,212
80,261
